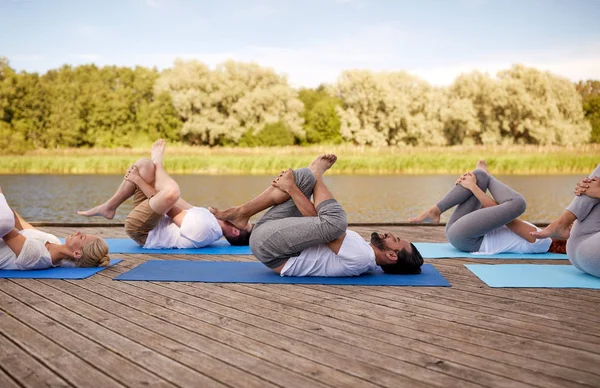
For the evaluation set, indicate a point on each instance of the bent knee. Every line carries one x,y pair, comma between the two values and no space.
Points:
519,204
7,224
333,219
146,169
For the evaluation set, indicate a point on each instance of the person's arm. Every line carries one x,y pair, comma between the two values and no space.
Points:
20,223
336,244
520,228
306,207
286,183
144,186
15,241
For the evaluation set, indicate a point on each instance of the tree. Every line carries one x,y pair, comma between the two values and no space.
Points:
389,108
524,106
221,105
321,121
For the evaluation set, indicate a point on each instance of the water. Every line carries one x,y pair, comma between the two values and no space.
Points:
366,198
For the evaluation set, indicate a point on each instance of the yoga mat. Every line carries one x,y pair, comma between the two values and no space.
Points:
54,273
446,251
253,272
221,247
533,276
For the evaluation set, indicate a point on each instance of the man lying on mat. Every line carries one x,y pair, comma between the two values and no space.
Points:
484,225
24,247
297,237
160,217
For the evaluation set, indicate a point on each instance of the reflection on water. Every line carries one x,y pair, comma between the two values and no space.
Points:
365,198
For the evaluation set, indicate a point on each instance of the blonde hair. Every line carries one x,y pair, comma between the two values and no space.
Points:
94,254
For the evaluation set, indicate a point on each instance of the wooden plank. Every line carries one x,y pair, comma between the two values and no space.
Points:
62,362
251,356
102,358
278,351
368,353
428,333
443,310
24,369
150,360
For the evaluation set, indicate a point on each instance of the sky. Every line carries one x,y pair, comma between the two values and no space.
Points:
310,41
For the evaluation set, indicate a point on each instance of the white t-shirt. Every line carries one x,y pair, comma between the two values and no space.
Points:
34,254
199,228
505,240
354,258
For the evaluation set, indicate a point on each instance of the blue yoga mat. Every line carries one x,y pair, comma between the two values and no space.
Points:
221,247
54,273
533,276
253,272
446,250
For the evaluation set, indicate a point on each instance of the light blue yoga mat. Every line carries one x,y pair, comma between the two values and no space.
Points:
533,276
221,247
446,251
54,273
253,272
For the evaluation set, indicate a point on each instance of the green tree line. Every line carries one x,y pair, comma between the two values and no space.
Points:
244,104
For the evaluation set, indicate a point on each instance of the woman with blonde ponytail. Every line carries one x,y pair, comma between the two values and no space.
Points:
24,247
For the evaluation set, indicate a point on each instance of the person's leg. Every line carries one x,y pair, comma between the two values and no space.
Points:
145,168
584,242
7,217
578,209
282,205
470,225
275,241
151,207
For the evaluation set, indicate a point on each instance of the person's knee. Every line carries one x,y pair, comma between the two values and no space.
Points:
333,219
482,177
519,204
7,224
146,169
305,180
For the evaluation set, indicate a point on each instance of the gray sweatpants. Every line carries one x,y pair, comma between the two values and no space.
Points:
583,246
470,222
283,232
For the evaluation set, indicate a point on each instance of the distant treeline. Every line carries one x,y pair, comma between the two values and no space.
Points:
244,104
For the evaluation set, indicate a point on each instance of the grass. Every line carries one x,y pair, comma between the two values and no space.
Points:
181,159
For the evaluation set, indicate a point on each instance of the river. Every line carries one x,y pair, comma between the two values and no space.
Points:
366,198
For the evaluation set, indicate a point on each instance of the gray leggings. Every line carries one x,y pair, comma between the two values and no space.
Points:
470,222
283,232
583,246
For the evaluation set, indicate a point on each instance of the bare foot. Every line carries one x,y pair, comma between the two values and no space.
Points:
158,149
233,215
482,165
322,163
430,216
557,229
100,210
285,181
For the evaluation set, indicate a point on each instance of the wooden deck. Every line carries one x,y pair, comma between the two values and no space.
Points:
103,333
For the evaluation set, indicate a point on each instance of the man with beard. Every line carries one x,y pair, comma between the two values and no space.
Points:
297,237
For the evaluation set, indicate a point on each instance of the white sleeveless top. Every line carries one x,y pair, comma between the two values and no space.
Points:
505,240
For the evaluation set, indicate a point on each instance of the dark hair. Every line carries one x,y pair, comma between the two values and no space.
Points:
242,239
558,246
407,263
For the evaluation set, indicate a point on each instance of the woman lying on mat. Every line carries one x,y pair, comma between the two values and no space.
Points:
484,225
160,217
580,224
24,247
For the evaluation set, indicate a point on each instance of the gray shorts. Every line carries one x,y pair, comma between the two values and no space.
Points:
283,232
